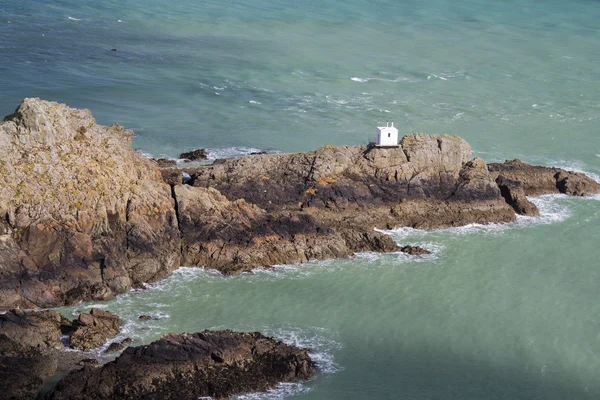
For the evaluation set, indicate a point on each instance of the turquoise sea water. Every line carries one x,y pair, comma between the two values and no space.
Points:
496,312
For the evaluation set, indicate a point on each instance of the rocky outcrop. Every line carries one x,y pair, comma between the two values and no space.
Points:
92,330
194,155
537,180
513,193
189,366
238,236
83,216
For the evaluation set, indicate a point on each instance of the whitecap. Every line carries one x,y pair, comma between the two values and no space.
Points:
357,79
119,20
552,210
234,152
254,102
74,19
280,392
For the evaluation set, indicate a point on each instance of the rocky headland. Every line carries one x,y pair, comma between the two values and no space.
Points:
215,364
84,217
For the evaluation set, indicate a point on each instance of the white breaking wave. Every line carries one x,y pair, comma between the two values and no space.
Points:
363,80
280,392
552,210
254,102
233,152
74,19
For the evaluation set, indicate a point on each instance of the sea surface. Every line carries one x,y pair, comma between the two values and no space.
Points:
495,312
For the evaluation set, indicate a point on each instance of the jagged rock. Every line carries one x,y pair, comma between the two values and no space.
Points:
538,180
237,236
25,332
94,328
145,317
414,250
360,187
189,366
513,193
194,155
84,216
576,183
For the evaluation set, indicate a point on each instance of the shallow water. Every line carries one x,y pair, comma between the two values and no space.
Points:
496,312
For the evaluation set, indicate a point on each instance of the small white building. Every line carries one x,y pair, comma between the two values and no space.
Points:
387,135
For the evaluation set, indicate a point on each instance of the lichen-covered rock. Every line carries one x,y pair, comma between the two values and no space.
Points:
237,236
218,364
92,330
84,216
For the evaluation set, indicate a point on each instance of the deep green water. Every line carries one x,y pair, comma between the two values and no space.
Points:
496,312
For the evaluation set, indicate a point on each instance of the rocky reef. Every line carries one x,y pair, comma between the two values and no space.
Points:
216,364
84,217
32,349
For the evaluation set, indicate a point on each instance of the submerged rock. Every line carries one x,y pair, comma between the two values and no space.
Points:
414,250
218,364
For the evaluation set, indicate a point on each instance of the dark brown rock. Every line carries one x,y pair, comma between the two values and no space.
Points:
23,377
537,180
414,250
93,329
145,317
513,193
194,155
189,366
576,183
30,351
